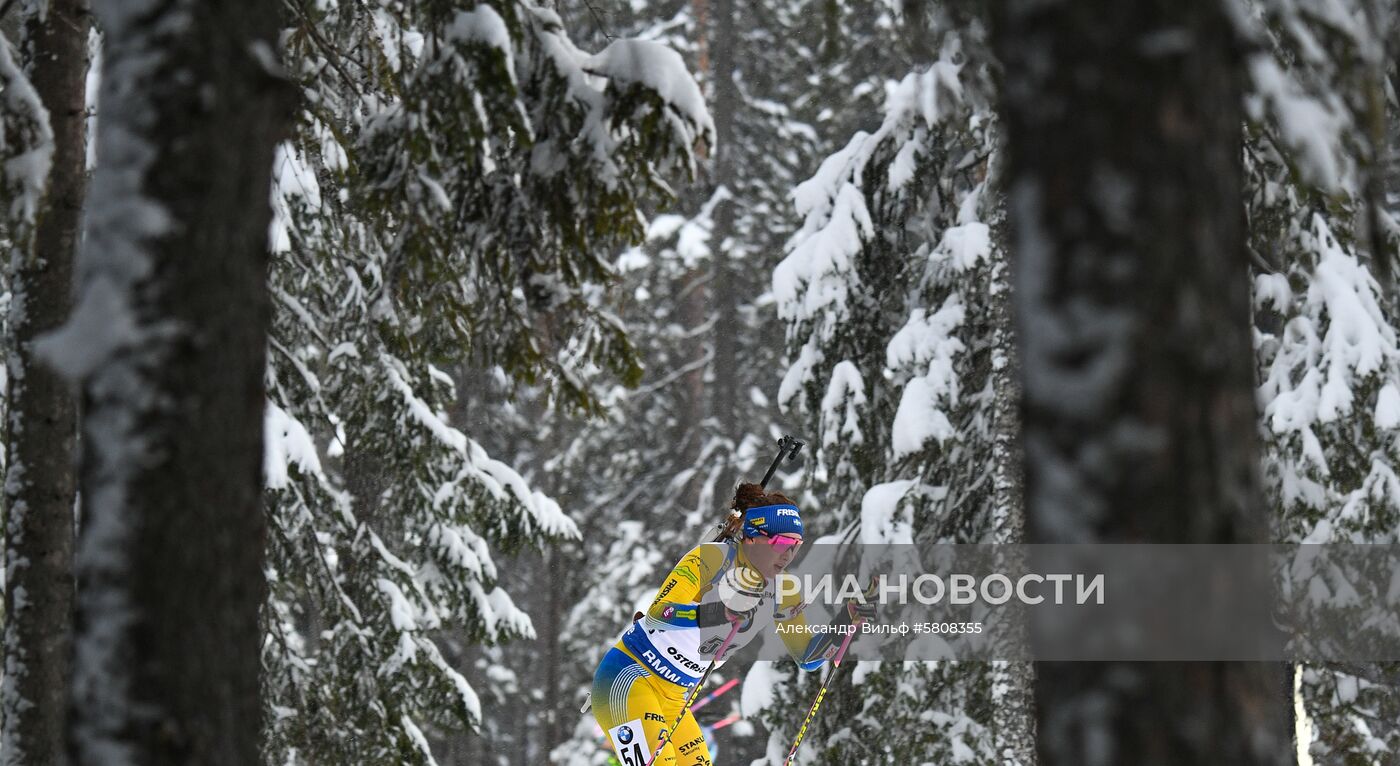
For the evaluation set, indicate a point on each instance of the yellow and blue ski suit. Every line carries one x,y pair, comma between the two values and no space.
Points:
641,683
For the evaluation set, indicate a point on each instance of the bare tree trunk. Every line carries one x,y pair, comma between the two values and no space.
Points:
41,426
728,290
695,296
168,339
547,571
1132,297
1014,715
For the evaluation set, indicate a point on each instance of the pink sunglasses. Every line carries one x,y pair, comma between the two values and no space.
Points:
782,541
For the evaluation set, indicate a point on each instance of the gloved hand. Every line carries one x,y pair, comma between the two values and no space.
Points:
863,609
739,593
715,613
859,612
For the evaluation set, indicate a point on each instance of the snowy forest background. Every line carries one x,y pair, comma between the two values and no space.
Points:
544,282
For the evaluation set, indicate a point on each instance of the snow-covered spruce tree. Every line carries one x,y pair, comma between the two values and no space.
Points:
44,150
894,296
457,182
1323,82
648,478
697,290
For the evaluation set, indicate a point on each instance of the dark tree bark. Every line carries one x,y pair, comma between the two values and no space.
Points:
549,573
697,294
168,338
1013,719
41,427
728,291
1132,295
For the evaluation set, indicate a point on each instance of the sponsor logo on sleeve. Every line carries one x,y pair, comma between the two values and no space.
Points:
684,571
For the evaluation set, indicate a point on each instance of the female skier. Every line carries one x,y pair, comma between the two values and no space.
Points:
641,683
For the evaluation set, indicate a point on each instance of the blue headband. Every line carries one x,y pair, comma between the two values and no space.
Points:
783,518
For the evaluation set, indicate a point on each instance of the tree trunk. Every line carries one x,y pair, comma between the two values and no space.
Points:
41,427
1014,715
1132,298
168,339
557,704
695,295
728,292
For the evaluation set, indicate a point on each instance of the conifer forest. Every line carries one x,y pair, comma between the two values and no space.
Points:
369,364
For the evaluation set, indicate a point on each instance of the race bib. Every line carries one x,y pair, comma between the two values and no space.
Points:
629,741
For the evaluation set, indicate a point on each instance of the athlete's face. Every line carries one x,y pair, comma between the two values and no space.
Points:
771,555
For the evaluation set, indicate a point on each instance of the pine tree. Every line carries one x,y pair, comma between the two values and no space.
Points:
456,183
1323,246
894,296
653,471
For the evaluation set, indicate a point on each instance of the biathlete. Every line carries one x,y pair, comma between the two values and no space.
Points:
641,683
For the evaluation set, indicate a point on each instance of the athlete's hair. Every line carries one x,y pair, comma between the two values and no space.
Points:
749,495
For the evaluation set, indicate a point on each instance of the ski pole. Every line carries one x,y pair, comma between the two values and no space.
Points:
708,698
725,721
690,695
817,703
821,693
